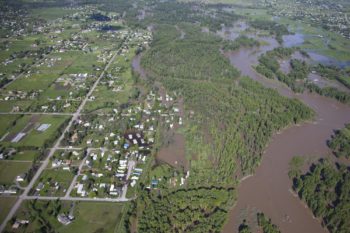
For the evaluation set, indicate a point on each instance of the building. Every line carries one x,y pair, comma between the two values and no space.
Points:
62,218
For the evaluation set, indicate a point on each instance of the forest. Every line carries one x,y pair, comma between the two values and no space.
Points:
266,224
234,118
340,142
325,188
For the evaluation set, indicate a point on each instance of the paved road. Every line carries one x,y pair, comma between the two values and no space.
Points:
71,186
24,196
131,165
54,113
120,199
37,113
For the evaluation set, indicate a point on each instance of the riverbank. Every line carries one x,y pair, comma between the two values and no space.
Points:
268,190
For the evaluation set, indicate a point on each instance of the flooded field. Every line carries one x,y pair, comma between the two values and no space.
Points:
174,153
293,40
324,82
137,66
327,60
269,190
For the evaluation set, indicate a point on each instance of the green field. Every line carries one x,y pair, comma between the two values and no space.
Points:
95,217
10,169
5,206
29,124
90,217
36,138
35,82
7,106
51,13
26,155
6,122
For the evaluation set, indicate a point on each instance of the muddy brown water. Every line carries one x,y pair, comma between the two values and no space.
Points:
269,189
174,153
136,65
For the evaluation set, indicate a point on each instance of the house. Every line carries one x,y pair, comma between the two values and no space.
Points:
133,183
56,163
18,223
154,183
21,177
39,187
113,190
62,218
80,190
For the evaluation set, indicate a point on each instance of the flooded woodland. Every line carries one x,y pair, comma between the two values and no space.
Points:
269,190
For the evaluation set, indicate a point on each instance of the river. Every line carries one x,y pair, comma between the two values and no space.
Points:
269,190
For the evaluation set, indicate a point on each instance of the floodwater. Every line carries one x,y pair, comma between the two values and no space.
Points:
136,65
327,60
269,190
324,82
293,40
174,153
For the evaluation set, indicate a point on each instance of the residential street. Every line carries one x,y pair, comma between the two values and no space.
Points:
45,163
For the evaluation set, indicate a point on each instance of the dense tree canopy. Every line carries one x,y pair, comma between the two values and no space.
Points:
340,143
229,122
326,190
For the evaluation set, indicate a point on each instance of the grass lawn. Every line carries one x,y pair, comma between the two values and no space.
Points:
10,169
90,217
5,205
83,63
50,176
94,216
26,155
34,82
43,209
7,106
6,122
